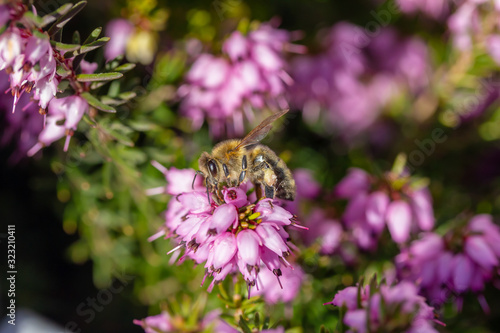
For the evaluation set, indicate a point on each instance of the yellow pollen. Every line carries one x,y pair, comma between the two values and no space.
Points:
254,216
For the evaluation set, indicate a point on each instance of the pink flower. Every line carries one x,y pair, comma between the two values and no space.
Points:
399,220
376,207
63,117
119,32
392,200
229,236
346,86
370,310
307,186
21,129
284,290
355,182
166,322
493,46
225,89
326,231
11,46
463,23
441,272
158,323
4,15
437,9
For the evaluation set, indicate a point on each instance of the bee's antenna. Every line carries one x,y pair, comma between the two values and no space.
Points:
208,195
194,179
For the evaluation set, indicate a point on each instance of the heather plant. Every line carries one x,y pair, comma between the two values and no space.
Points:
391,136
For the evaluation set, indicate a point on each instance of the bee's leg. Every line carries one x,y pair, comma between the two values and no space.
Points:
226,173
269,191
243,170
258,190
208,195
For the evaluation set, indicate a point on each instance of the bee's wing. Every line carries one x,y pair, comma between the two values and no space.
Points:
260,132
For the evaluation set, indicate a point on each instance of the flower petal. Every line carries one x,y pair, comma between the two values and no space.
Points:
399,220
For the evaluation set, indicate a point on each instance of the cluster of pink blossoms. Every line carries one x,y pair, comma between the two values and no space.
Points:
348,85
30,63
464,260
396,308
30,60
437,9
395,201
229,234
251,73
211,322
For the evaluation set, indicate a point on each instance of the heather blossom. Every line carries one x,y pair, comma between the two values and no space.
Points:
466,25
385,308
165,322
436,9
397,201
22,128
462,261
211,322
349,83
250,73
272,290
228,231
37,67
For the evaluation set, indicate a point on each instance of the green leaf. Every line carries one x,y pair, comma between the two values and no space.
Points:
125,68
127,95
96,85
91,38
62,86
92,46
62,71
33,19
76,37
40,35
122,98
98,77
88,47
61,22
49,18
111,65
244,326
93,35
64,47
97,103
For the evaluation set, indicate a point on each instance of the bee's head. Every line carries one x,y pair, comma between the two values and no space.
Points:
210,168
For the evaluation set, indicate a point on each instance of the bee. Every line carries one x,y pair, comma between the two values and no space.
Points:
234,161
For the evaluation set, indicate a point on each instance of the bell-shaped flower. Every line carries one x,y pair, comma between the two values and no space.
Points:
223,217
357,181
399,220
376,207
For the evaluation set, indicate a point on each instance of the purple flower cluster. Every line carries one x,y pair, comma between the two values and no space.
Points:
356,76
119,30
465,26
250,73
437,9
464,260
30,60
230,233
395,201
165,323
21,129
396,308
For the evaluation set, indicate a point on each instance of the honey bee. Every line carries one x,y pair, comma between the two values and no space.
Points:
234,161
